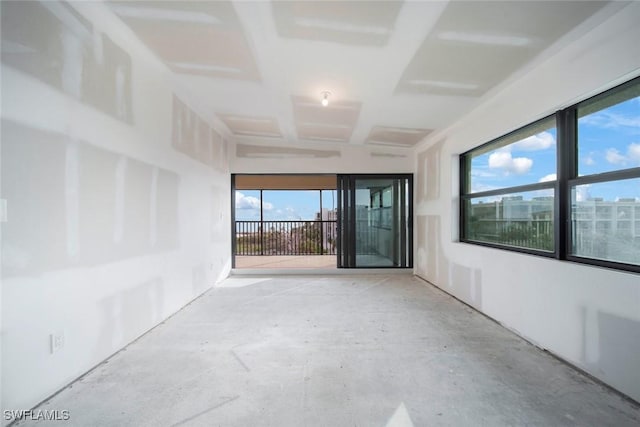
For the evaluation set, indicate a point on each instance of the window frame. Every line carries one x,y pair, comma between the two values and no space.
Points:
567,147
465,196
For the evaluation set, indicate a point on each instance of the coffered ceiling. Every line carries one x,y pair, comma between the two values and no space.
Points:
395,70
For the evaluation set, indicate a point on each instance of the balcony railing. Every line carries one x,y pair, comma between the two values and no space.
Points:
286,237
526,233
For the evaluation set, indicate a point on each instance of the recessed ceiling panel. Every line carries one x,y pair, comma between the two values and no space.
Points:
389,155
334,122
325,133
476,45
268,152
343,22
251,126
192,37
393,136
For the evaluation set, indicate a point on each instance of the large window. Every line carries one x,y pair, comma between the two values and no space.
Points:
509,189
566,186
605,193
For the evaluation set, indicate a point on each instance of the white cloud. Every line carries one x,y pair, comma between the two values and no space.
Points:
582,193
541,141
480,173
597,120
589,161
614,157
504,161
246,202
250,202
547,178
291,214
633,152
608,120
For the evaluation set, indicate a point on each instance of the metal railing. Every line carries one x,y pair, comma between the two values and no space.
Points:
285,237
526,233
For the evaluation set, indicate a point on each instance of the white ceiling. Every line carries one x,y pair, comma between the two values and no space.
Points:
396,70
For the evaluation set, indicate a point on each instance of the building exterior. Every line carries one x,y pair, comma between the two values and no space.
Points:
600,225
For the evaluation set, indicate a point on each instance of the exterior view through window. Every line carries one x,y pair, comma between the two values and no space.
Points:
294,222
375,221
605,199
322,221
566,186
511,189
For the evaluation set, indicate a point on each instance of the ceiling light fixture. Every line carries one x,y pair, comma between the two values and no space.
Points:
325,98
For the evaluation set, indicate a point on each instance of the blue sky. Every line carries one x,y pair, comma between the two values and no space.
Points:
609,140
283,205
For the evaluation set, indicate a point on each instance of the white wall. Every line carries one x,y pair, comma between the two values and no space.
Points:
115,219
277,157
587,315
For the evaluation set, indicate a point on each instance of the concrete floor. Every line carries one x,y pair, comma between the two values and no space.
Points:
374,350
286,261
306,261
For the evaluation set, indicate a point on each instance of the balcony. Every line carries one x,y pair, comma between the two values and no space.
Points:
285,244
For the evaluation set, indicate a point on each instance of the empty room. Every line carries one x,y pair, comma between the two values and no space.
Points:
320,213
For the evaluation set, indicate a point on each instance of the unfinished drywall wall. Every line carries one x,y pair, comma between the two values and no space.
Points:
587,315
117,191
278,157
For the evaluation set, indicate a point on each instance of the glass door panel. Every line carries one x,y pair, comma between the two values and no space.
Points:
375,221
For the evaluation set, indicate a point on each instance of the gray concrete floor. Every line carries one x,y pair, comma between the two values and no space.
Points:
374,350
286,261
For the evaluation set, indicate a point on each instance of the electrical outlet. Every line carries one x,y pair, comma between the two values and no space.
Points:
57,341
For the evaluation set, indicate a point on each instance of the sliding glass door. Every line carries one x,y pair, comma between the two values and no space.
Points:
375,221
